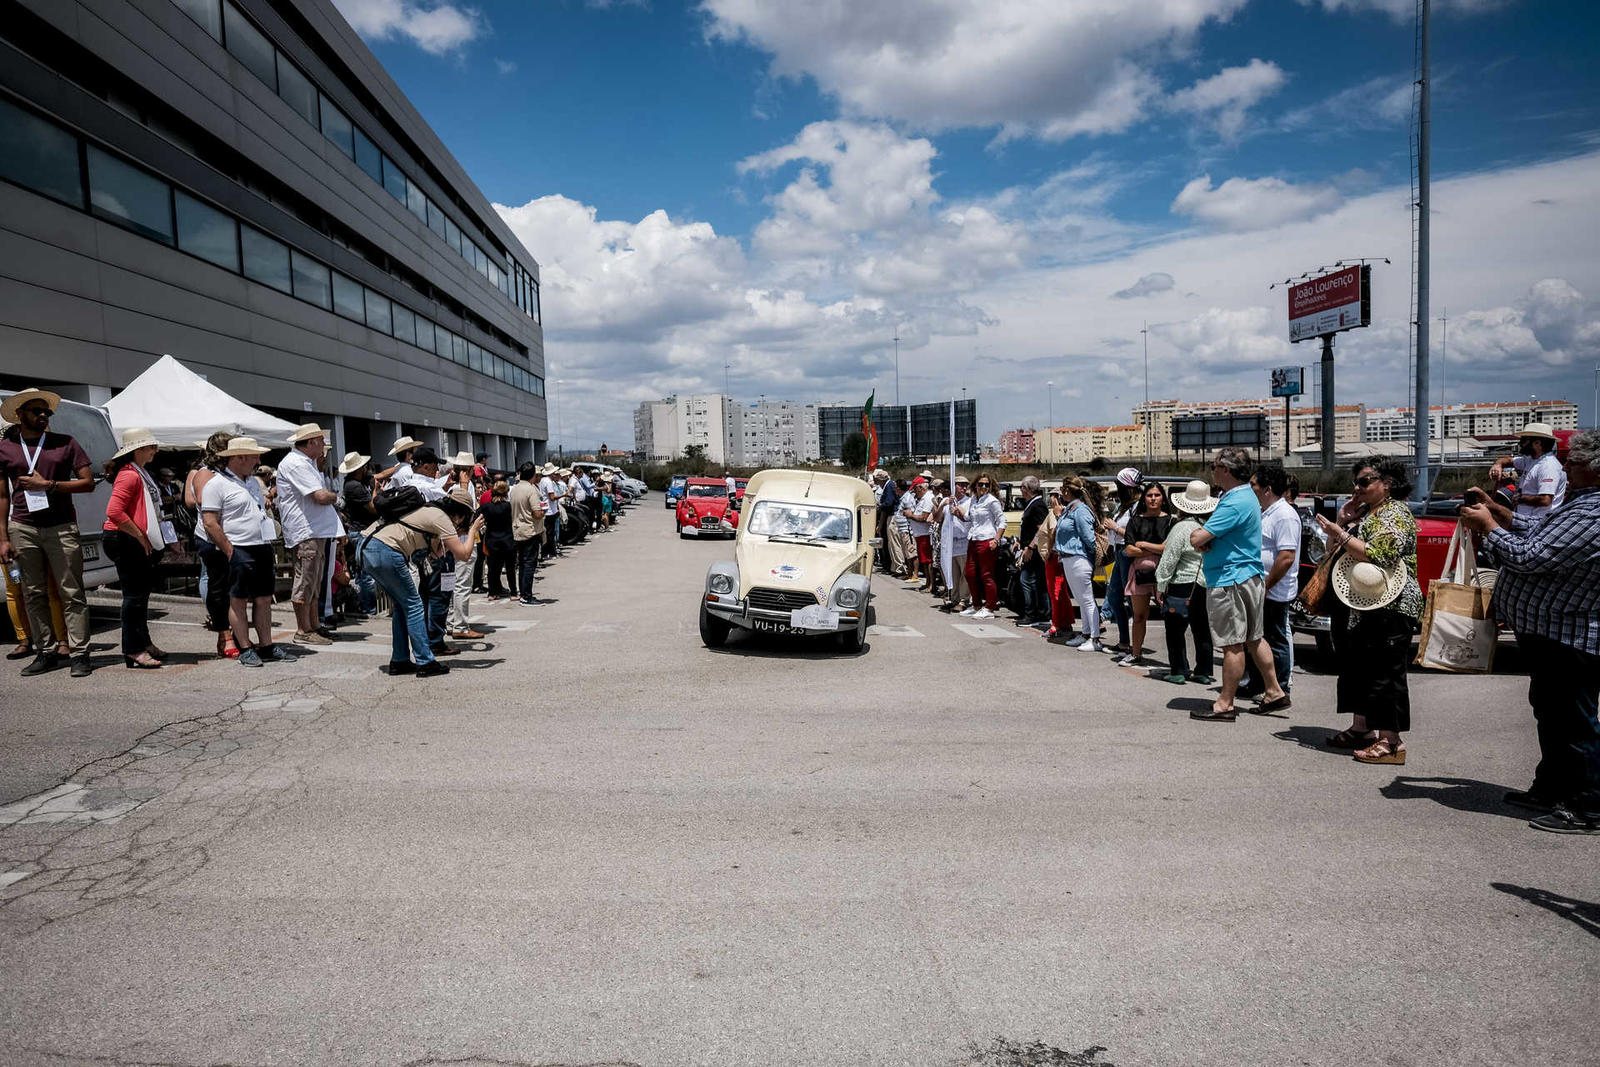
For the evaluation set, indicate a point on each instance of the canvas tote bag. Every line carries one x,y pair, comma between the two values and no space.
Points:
1458,632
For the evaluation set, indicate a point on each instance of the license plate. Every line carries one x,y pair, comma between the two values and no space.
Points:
91,551
708,524
767,626
814,617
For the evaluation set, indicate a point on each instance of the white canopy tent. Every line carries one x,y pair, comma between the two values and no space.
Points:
181,408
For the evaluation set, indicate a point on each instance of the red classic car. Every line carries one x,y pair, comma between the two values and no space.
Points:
704,510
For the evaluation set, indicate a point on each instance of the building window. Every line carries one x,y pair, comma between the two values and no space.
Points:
452,235
405,324
336,127
208,233
368,158
296,90
129,197
416,201
208,13
38,155
378,316
347,298
248,46
312,281
425,338
265,260
435,218
394,179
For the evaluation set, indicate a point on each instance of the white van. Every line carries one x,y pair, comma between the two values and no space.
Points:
92,427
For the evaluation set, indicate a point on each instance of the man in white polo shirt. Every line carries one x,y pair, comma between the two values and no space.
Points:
235,517
310,521
553,491
1281,531
1541,481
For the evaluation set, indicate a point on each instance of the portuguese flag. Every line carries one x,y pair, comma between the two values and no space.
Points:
870,432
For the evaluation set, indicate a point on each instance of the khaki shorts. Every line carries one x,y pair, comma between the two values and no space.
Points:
1235,612
310,558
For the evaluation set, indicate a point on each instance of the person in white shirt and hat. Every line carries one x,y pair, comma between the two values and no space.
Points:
403,449
310,524
552,490
1115,607
1541,481
234,512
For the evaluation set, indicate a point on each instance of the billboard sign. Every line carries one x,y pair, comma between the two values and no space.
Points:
1338,301
1205,433
1288,381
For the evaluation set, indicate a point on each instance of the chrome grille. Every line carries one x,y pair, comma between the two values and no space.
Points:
710,521
780,599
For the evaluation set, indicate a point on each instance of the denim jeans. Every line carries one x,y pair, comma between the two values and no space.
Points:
1116,605
1033,593
366,591
527,566
552,535
1564,689
1279,638
435,601
389,569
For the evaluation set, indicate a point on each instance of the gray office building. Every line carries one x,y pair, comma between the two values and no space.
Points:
240,184
916,431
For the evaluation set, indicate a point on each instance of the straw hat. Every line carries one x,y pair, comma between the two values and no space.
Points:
353,461
14,402
135,438
306,431
1196,499
403,443
1537,429
241,446
564,473
1365,585
463,460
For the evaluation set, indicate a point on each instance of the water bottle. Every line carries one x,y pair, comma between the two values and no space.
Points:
15,572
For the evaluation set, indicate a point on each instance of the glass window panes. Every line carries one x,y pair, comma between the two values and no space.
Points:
537,313
474,357
435,218
249,46
378,317
208,233
125,194
405,324
452,234
368,158
416,201
296,90
425,339
348,299
312,280
265,260
208,13
39,155
394,179
458,348
336,128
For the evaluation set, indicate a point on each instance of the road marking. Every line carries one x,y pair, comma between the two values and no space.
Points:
601,628
978,629
893,631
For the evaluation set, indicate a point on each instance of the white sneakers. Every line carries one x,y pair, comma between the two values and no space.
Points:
982,613
1091,646
968,612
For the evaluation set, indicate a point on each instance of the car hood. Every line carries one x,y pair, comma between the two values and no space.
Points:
706,505
804,568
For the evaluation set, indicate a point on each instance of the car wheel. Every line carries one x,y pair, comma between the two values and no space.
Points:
713,631
851,640
681,535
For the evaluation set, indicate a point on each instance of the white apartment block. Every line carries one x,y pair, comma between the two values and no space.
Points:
1470,420
775,433
655,430
1305,424
1080,444
662,429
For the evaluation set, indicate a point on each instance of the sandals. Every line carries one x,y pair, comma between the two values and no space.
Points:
1381,751
1352,739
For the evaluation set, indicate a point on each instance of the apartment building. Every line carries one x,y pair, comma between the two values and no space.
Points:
1470,420
1018,446
1305,424
1080,444
775,433
662,429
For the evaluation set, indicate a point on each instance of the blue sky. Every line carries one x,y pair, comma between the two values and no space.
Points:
785,186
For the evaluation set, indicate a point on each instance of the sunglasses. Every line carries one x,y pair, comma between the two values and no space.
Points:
1362,483
983,485
38,413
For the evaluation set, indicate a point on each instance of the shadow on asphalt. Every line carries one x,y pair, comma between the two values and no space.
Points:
762,646
1190,704
1312,737
1585,914
1462,794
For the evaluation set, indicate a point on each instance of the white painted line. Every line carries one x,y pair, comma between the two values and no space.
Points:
893,631
977,629
170,622
601,628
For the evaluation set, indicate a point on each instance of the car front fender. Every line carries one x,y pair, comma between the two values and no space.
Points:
859,582
731,569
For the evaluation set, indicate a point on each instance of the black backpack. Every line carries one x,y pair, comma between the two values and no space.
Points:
396,502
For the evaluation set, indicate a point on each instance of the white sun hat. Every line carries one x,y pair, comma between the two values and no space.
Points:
1538,429
306,431
353,461
135,438
241,446
1196,499
1365,585
403,443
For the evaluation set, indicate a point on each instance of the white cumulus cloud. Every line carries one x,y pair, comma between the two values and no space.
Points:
1147,285
438,27
1253,203
1226,97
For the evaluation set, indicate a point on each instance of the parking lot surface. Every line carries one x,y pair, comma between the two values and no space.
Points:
597,842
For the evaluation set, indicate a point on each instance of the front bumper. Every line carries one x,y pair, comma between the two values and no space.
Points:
738,612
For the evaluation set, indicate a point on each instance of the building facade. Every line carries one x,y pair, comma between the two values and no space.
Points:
240,184
917,431
662,429
775,433
1080,444
1454,421
1305,424
1018,446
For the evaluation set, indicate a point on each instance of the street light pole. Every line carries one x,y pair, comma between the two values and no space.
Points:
1050,408
555,403
897,368
1145,334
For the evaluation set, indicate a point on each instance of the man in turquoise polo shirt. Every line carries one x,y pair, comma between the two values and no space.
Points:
1230,543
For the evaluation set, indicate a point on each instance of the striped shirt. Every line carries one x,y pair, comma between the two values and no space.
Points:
1549,581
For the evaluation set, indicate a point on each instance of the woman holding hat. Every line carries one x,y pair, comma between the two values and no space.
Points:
1181,588
134,537
1376,580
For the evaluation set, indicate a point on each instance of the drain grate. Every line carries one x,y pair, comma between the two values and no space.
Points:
1002,1052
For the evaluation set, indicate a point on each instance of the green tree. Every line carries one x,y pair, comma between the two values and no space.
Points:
694,458
854,451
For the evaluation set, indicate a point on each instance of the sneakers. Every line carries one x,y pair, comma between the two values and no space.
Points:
1533,800
1077,642
431,669
42,663
1128,660
982,613
312,638
1563,820
277,653
527,600
968,612
250,658
1091,646
81,667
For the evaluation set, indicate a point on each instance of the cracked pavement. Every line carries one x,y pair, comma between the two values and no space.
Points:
596,843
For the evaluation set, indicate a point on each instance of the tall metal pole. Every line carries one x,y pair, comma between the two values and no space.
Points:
1424,131
897,368
1327,402
1145,334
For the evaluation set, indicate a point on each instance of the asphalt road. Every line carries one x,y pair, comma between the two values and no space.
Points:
596,842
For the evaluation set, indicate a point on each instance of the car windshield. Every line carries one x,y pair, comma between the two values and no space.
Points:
774,518
708,490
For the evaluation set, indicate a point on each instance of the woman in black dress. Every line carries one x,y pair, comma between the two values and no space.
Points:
1143,543
499,543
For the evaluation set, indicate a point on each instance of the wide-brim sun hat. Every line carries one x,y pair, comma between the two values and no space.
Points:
14,402
1128,476
462,459
1364,585
133,439
403,443
353,461
1537,429
460,495
1196,499
306,431
241,446
564,473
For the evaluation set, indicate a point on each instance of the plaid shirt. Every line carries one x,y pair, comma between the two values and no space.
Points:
1549,582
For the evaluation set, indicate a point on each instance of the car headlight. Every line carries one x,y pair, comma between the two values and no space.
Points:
721,584
1315,543
848,598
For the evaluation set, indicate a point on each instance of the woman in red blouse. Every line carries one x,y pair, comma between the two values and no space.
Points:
134,538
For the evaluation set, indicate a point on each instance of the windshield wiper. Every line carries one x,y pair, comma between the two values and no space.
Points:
796,539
